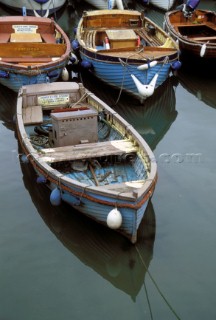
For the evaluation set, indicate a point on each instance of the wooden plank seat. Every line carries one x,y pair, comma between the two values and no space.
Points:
32,115
124,187
25,37
34,50
202,38
87,150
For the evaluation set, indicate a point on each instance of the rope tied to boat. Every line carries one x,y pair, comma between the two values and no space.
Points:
84,96
156,285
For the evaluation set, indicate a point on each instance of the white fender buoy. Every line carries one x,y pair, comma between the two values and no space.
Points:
203,50
145,66
107,45
145,90
45,16
65,74
114,219
119,4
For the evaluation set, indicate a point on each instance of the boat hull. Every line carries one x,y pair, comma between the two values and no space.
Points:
118,75
163,4
102,4
16,79
33,7
98,207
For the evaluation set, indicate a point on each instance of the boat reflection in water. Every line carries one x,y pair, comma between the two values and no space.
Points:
152,119
112,256
8,99
202,86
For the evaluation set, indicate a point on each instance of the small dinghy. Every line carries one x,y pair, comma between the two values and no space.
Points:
86,154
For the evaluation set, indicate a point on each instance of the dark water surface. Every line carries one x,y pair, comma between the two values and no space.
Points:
59,266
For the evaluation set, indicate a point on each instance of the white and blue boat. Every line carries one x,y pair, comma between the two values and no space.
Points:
126,50
32,50
106,4
43,8
86,154
161,4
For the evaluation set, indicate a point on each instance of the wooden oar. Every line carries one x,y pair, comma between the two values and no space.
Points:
93,174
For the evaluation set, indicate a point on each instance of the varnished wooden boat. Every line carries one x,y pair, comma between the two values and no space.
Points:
195,33
126,50
87,154
43,8
32,50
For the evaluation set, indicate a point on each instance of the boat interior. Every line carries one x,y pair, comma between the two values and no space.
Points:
81,142
126,34
29,44
201,26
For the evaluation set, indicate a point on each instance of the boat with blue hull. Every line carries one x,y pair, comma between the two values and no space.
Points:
32,50
161,4
105,252
43,8
106,4
87,154
126,50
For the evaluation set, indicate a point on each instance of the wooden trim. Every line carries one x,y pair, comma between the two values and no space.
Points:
34,50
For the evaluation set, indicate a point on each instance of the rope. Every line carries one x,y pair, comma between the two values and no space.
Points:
157,287
84,96
148,301
125,65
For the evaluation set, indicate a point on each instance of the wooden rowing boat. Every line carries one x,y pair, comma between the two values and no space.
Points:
87,154
32,50
195,32
126,50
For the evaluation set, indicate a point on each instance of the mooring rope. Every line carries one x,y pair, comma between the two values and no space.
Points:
156,285
148,301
